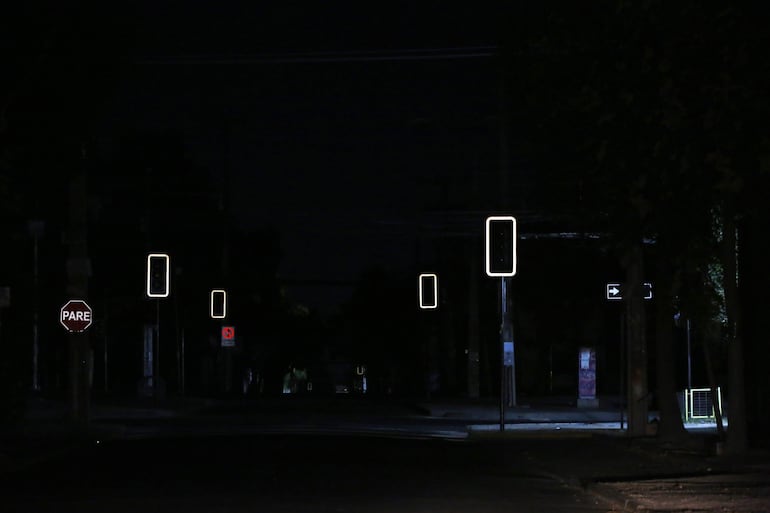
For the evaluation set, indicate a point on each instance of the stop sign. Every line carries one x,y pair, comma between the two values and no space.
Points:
75,315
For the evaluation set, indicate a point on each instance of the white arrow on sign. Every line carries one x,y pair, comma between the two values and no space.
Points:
613,291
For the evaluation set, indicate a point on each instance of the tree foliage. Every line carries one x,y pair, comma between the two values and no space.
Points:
646,119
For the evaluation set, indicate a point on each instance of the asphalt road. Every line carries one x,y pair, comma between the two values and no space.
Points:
347,454
294,473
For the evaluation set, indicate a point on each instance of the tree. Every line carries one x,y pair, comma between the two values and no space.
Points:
655,109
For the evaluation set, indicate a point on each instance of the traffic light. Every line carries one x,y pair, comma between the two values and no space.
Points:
428,289
157,275
501,246
218,304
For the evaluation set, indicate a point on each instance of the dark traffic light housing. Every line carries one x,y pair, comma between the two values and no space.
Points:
157,275
428,290
501,246
218,304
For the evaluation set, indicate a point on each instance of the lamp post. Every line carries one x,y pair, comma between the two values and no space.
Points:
36,229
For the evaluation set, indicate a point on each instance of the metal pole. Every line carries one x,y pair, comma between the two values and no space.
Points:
689,358
177,345
78,271
106,368
35,345
156,356
622,366
502,354
512,399
550,368
182,366
178,349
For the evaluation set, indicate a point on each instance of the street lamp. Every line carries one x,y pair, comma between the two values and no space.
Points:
36,229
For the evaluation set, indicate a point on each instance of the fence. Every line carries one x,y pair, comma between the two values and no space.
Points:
698,404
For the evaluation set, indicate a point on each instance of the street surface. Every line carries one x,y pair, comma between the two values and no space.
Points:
280,473
359,455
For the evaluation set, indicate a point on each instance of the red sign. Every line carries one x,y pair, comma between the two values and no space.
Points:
76,315
228,336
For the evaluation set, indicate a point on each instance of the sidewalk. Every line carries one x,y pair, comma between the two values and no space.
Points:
46,416
586,449
643,474
485,415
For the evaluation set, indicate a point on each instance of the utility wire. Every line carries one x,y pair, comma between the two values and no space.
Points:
408,54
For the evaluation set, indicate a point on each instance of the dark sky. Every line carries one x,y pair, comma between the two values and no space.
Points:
344,125
340,126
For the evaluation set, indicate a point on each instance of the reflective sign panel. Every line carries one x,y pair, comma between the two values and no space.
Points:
228,336
614,291
157,275
428,291
500,246
218,302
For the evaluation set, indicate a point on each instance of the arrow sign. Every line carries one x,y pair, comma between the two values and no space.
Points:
613,291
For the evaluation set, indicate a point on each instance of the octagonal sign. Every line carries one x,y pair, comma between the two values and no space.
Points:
76,315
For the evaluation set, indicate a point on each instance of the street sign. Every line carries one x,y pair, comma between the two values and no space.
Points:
76,316
228,336
428,290
615,291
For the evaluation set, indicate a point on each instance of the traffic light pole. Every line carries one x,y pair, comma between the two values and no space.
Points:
156,359
507,381
503,300
500,247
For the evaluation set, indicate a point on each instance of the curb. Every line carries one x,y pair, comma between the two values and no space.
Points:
612,496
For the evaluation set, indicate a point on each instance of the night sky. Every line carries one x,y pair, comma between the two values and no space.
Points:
340,127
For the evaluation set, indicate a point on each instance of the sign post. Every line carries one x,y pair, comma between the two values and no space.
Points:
614,292
228,343
157,286
76,317
500,261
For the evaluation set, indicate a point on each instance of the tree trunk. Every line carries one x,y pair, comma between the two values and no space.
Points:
670,427
472,350
637,343
448,354
707,343
736,433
